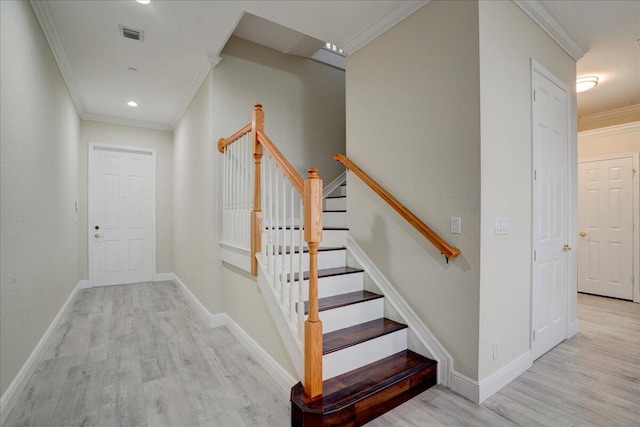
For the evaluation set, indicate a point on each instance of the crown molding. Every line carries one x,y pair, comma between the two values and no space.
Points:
541,16
381,25
45,19
209,62
610,114
609,131
126,122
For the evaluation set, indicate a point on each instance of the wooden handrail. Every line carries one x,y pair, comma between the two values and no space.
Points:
432,236
287,169
223,142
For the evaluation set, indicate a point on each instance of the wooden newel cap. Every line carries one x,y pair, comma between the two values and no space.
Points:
220,147
258,106
313,173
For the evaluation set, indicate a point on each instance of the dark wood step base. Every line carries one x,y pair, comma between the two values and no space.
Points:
359,396
342,300
353,335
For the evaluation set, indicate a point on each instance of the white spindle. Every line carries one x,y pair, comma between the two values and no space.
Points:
292,302
301,275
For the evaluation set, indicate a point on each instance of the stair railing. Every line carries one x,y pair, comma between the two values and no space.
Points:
437,241
285,211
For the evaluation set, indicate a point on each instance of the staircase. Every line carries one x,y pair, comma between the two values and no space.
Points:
367,367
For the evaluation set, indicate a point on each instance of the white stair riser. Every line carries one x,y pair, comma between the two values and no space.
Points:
330,238
334,219
351,315
356,356
343,190
335,285
326,259
335,204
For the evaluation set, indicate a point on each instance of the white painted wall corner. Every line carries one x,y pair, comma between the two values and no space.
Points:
195,303
162,277
8,399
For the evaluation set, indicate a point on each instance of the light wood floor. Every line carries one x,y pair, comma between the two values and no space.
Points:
136,355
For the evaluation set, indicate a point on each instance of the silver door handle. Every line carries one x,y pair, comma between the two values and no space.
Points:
98,236
582,234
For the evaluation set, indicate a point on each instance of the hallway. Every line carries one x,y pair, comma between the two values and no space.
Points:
137,355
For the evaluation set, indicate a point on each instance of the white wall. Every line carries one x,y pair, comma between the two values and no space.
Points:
413,124
39,230
508,41
610,140
196,254
162,142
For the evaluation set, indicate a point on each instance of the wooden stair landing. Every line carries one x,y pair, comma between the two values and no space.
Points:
359,396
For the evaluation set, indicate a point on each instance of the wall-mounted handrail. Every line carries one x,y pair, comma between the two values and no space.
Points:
432,236
279,220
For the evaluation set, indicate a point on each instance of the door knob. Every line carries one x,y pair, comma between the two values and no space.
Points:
582,234
98,236
566,248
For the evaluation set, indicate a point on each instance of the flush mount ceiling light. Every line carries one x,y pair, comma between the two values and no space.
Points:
132,104
144,1
586,83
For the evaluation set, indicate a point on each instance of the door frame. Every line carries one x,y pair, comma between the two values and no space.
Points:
635,194
90,187
571,206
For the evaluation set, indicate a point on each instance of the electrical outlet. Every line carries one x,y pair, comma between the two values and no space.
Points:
495,350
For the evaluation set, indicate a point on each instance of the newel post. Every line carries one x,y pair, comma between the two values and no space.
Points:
313,325
257,124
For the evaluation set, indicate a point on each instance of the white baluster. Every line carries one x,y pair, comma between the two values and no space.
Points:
292,301
301,275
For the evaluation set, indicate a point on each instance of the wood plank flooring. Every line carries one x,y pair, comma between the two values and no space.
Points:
136,355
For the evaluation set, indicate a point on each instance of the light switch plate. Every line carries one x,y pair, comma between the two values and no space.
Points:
456,225
503,225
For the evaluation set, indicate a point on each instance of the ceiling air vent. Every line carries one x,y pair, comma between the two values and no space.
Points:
130,33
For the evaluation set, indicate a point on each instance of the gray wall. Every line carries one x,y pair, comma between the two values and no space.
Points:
40,262
413,109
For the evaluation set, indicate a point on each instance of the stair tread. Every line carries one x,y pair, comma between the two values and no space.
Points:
328,272
343,300
326,228
296,249
334,211
347,337
361,385
335,197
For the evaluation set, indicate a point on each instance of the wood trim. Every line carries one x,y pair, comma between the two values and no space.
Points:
287,169
432,236
223,142
257,125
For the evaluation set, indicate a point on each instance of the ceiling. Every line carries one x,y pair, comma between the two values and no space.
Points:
183,40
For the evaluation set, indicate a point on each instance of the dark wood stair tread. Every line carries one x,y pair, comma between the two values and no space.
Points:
347,337
342,300
335,210
358,396
335,197
296,249
328,272
328,228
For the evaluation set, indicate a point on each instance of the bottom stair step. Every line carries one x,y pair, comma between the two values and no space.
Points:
359,396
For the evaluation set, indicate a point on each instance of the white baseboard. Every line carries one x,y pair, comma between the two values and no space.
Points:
218,320
8,399
503,376
465,386
478,392
574,328
328,188
273,368
85,284
162,277
195,303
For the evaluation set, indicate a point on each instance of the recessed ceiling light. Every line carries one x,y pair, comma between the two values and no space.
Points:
132,104
586,83
144,1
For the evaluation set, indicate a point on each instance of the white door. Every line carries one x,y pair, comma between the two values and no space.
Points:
121,217
605,221
550,278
